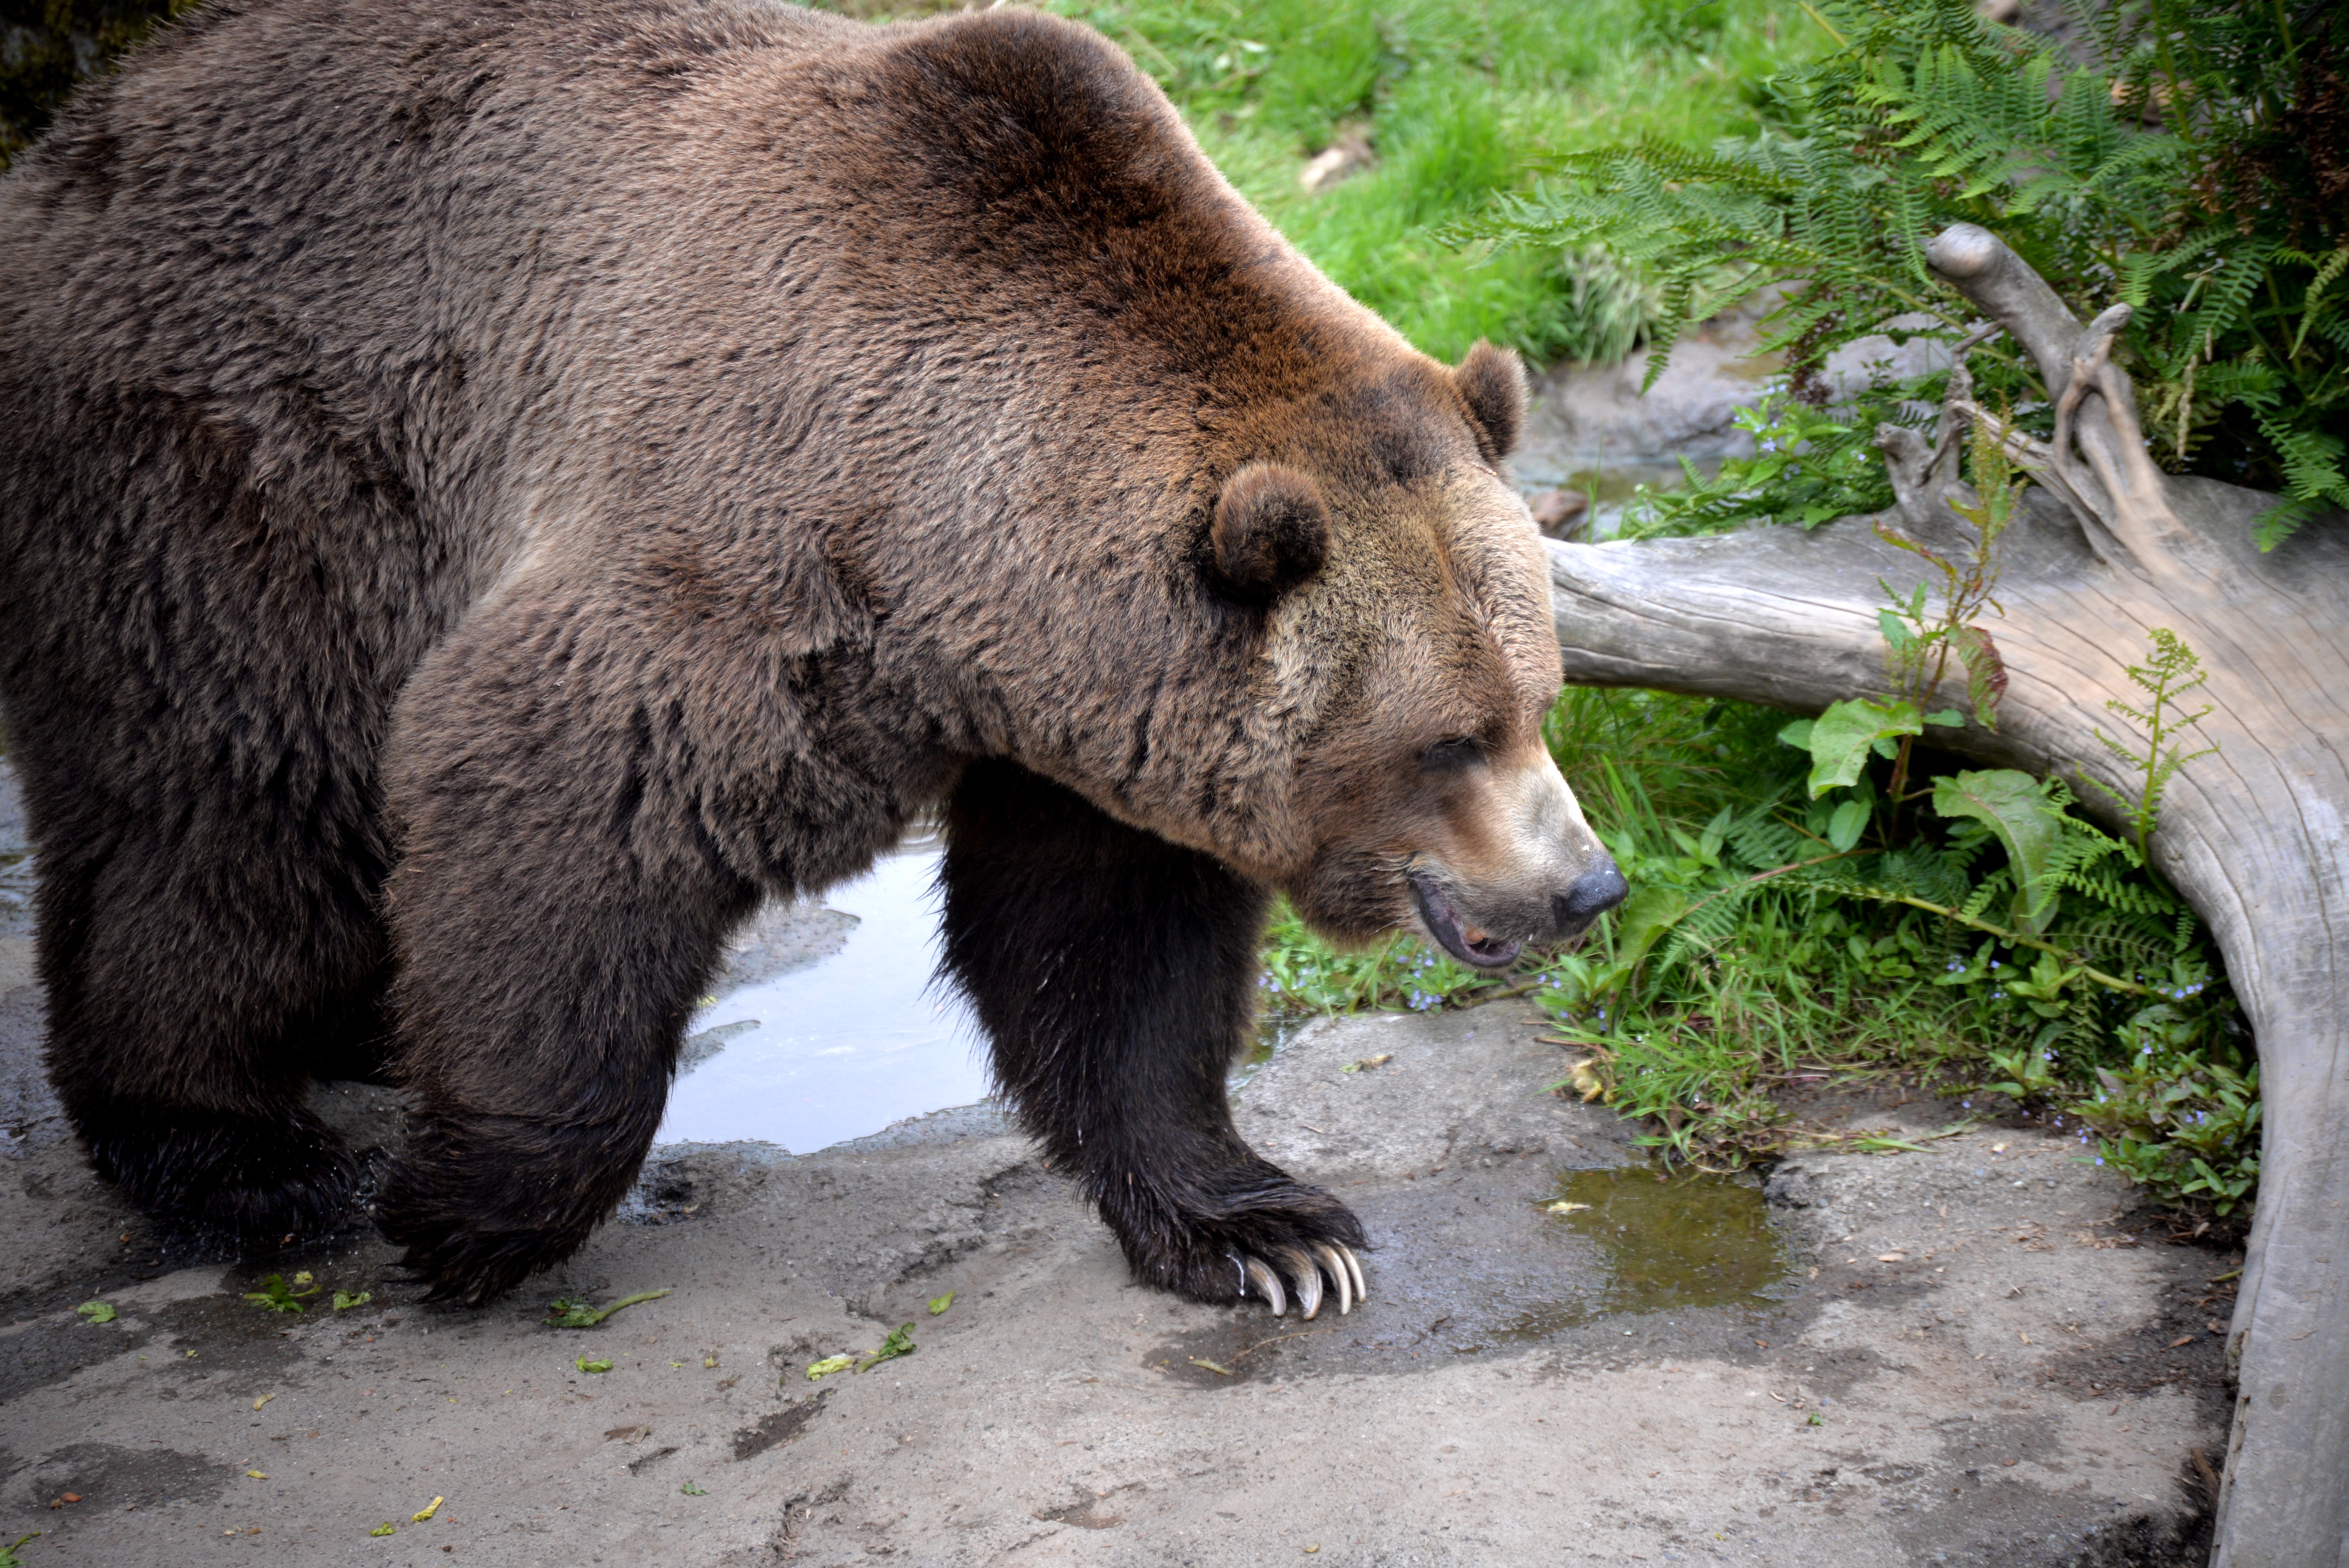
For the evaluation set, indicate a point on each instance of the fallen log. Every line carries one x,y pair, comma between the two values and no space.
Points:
2103,550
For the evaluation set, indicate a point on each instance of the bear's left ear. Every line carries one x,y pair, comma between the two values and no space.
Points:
1271,533
1493,380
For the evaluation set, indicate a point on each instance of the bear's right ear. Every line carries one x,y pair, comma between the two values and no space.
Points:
1493,380
1271,533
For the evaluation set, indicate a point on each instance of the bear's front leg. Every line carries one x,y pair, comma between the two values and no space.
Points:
1115,973
559,907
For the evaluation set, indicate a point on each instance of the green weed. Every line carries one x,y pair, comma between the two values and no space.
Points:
2171,672
1774,944
899,1343
275,1297
566,1313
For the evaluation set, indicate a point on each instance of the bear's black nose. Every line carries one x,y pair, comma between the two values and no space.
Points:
1598,890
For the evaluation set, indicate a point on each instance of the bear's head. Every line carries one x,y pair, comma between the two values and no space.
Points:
1271,593
1399,596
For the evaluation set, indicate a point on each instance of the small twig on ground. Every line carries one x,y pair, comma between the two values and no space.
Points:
1277,1339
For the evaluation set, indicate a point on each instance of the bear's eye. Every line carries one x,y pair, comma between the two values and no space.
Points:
1446,756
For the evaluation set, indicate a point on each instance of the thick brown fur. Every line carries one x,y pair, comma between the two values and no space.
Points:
493,490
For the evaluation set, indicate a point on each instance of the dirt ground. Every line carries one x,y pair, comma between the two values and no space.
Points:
1967,1355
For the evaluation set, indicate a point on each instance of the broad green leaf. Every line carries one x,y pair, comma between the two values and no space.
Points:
1842,736
97,1311
1948,716
1850,820
1708,847
2015,807
1651,911
1796,735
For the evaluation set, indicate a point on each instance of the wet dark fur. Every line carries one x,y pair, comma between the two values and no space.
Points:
492,489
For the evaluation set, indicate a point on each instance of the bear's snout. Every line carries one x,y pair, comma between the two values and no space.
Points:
1594,892
1514,863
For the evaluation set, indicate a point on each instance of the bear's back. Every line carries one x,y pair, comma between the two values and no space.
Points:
432,226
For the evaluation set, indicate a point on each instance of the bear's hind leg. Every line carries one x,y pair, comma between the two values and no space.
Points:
1116,975
194,975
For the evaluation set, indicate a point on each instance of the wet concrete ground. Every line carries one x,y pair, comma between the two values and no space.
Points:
1916,1359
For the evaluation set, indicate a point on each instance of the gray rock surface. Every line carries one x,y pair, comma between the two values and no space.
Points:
1591,426
2000,1392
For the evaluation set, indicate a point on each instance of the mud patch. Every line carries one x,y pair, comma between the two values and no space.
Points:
779,1427
1085,1515
107,1477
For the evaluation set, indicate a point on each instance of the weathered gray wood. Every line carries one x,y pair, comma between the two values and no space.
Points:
2252,836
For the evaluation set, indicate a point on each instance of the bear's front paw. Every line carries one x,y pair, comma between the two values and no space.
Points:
1263,1236
1305,1267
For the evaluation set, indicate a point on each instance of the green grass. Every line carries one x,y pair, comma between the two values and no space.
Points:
1460,100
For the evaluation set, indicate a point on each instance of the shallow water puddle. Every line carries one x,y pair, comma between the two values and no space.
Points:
832,1028
15,858
1680,1243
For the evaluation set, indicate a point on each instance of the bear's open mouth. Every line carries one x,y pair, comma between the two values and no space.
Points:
1449,926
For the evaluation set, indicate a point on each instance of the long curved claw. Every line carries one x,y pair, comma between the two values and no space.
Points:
1266,1283
1308,1276
1335,1267
1355,1263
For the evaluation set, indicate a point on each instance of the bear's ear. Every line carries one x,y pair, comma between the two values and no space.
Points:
1271,533
1493,380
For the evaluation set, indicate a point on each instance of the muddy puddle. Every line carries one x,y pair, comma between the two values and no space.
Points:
828,1025
1680,1243
1482,1262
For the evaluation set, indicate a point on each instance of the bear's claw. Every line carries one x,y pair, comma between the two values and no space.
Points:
1345,1271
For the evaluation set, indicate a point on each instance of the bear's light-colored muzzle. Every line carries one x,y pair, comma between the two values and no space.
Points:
1517,864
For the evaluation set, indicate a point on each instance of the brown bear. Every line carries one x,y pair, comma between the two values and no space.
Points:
494,490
